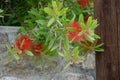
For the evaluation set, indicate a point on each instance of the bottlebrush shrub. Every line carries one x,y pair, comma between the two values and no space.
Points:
49,33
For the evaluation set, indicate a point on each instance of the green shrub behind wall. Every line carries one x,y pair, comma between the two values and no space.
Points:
16,11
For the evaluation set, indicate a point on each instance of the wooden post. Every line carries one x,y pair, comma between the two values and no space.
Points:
107,12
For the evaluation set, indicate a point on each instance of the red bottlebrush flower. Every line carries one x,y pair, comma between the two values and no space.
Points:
84,3
23,43
74,35
37,48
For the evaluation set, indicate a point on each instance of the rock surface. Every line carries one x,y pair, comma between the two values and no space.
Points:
22,70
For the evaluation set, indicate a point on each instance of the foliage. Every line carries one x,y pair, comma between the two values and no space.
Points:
1,12
16,11
53,31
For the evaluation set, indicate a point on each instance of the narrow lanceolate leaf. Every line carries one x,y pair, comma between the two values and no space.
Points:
49,11
29,53
59,23
63,11
66,42
54,5
96,36
83,26
81,33
99,45
94,24
60,6
42,65
75,50
99,49
16,56
74,16
77,59
54,48
90,38
22,29
9,48
81,18
50,58
50,22
68,64
42,22
89,22
36,59
61,54
51,43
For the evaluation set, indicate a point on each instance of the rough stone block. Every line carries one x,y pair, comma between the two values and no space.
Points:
89,63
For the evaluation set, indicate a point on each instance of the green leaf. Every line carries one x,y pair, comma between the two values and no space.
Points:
77,59
50,58
96,36
51,43
50,22
90,38
9,48
81,50
1,10
61,54
34,12
59,23
13,52
42,65
16,56
74,16
22,29
29,53
63,11
99,45
94,24
68,64
99,49
49,11
83,26
66,42
54,48
81,18
60,6
89,22
42,22
36,59
54,5
82,32
75,50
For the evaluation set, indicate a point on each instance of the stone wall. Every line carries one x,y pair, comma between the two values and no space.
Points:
25,71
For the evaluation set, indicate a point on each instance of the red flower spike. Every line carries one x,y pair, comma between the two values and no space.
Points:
23,43
37,49
74,35
84,3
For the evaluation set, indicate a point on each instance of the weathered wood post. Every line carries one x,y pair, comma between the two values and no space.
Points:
108,63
